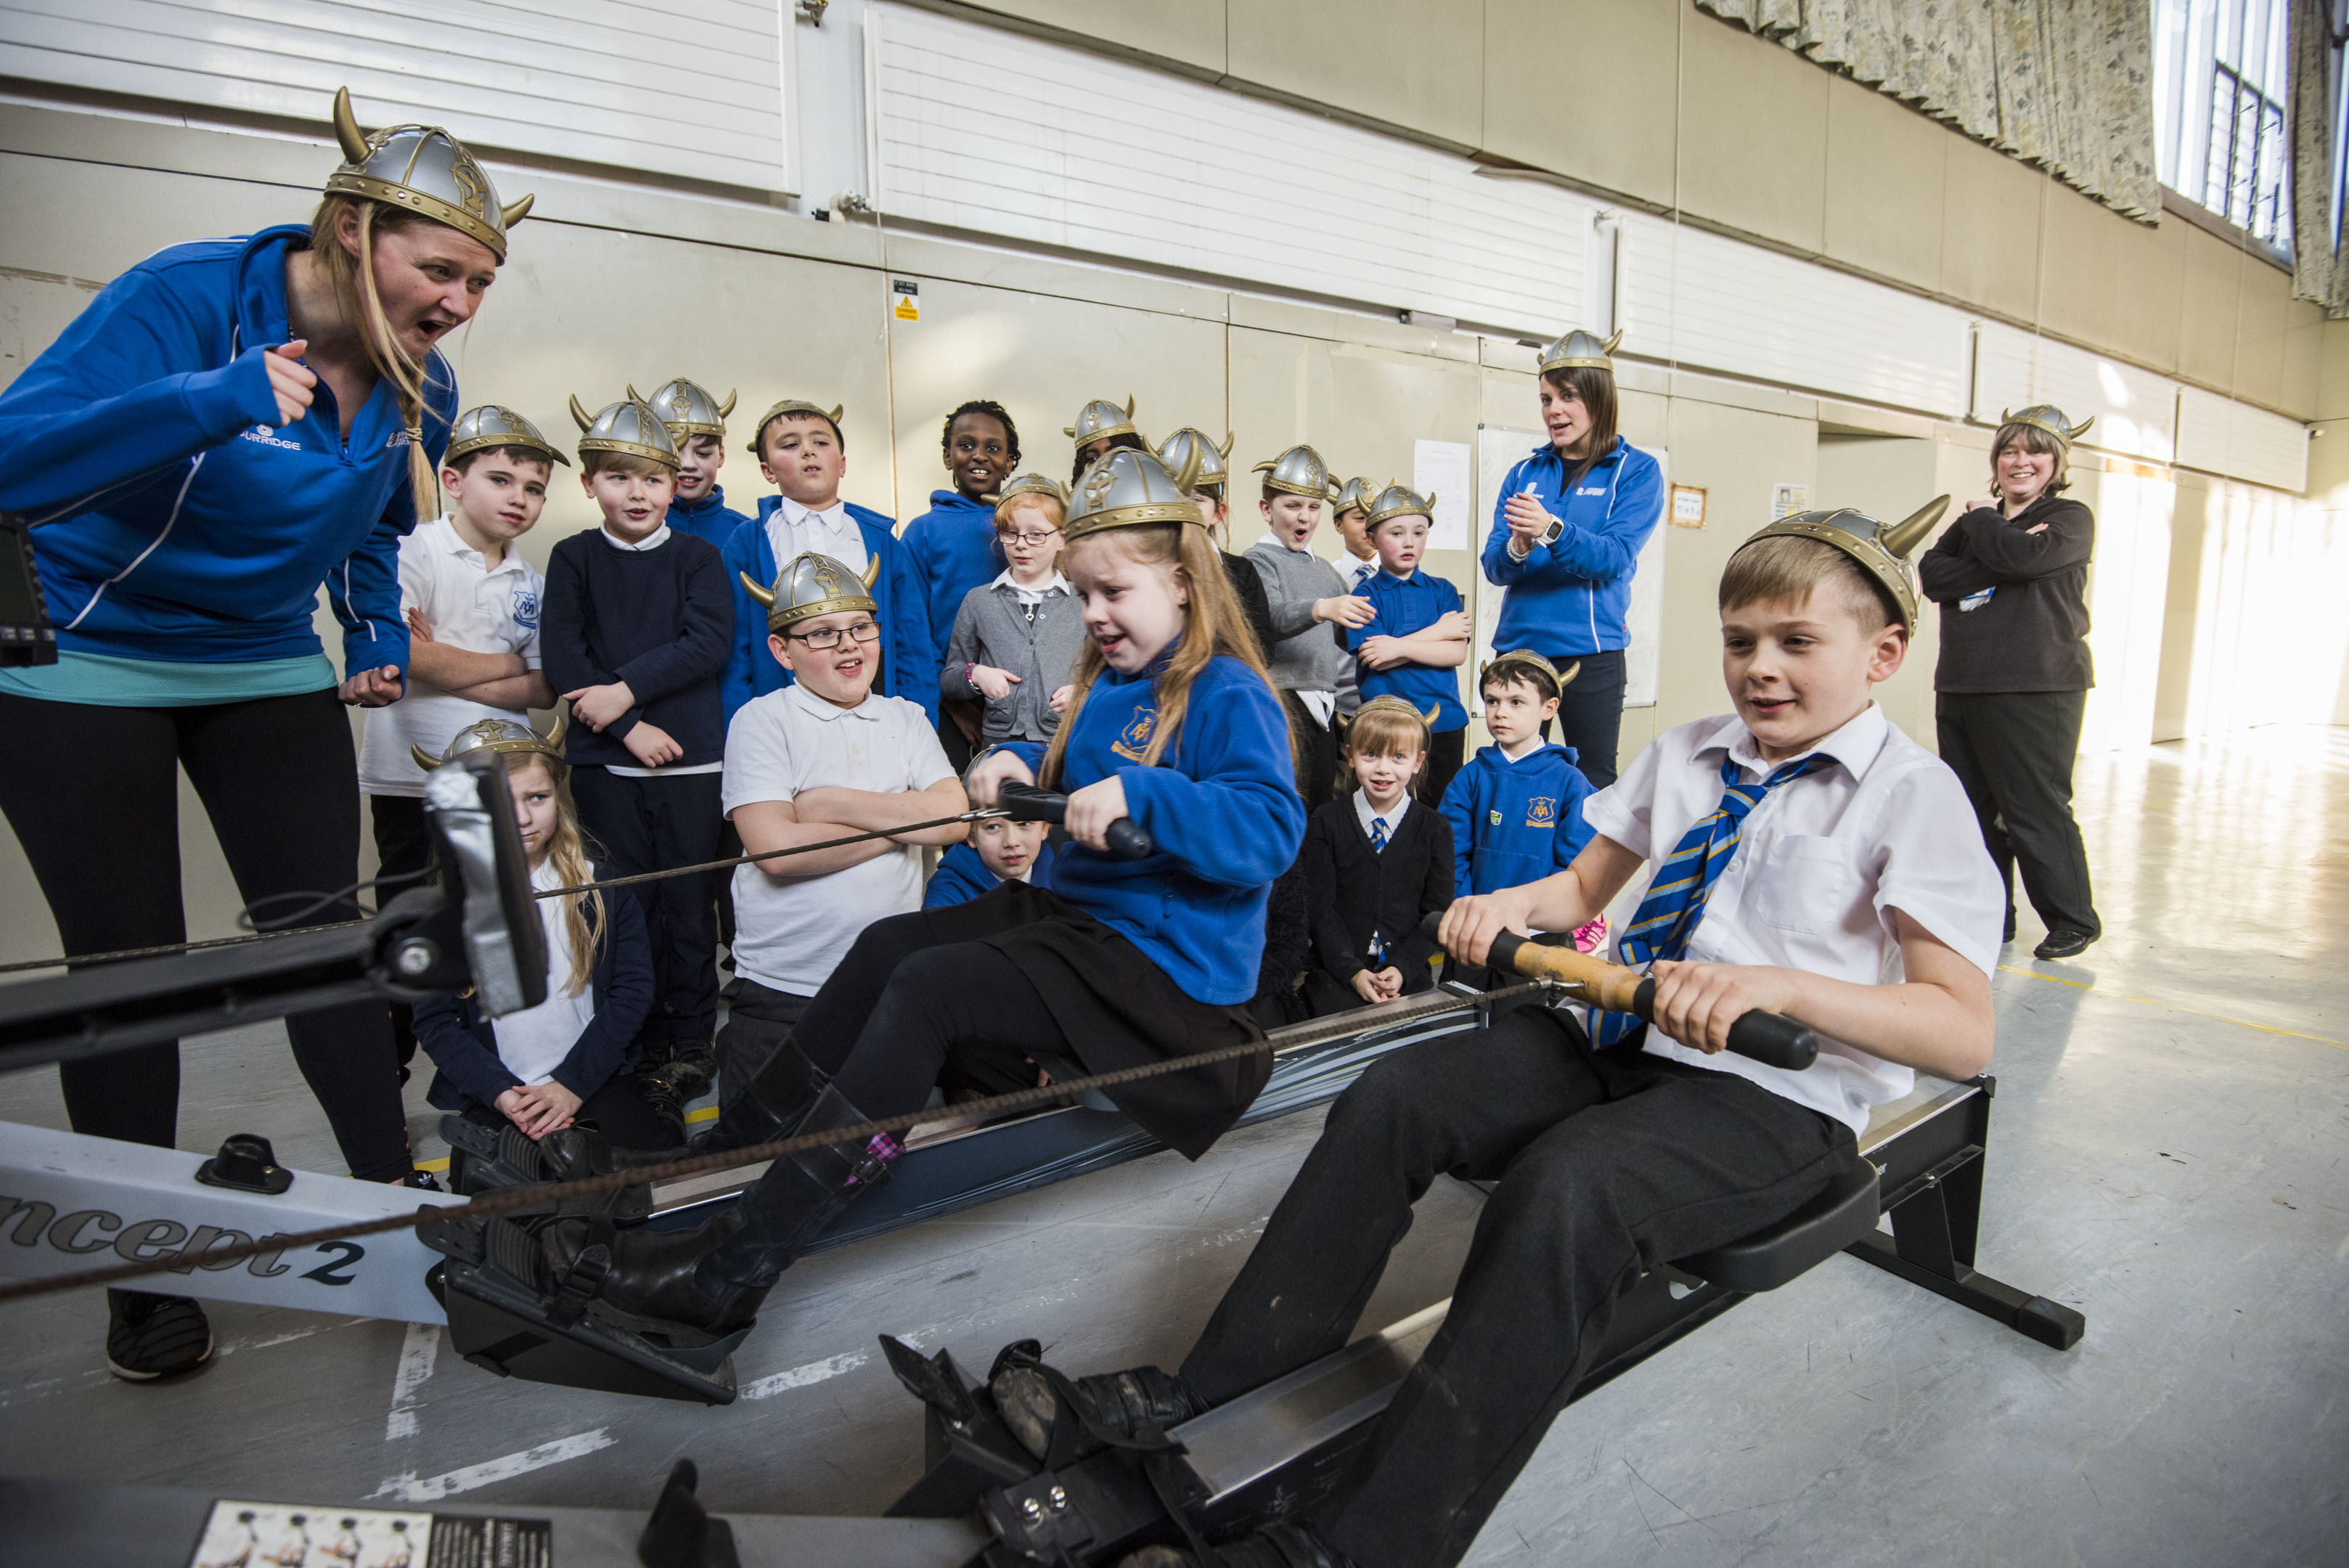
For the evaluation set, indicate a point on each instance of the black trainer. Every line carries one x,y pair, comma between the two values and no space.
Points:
155,1336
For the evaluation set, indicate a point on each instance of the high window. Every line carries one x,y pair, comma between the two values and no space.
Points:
2218,105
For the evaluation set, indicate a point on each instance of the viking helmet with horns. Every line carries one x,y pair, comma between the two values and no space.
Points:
1579,350
2046,417
1883,549
687,410
1398,499
511,736
1191,442
1531,660
810,584
1394,705
424,169
1300,471
1356,495
1101,418
492,426
830,416
1031,484
626,427
1130,489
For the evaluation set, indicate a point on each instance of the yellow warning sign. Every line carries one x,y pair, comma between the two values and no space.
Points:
909,310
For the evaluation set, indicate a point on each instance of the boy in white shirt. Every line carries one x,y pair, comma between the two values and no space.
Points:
1822,866
472,606
823,758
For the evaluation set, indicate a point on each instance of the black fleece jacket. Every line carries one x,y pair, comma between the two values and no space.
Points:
2031,633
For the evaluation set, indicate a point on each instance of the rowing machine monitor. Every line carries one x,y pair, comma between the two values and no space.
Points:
1128,839
1769,1038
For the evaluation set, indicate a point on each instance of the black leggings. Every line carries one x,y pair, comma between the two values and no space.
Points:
1591,714
94,798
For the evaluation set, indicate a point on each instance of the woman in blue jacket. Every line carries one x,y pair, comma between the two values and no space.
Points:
230,425
1566,535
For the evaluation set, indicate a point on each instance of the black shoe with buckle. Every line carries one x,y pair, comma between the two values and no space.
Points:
155,1336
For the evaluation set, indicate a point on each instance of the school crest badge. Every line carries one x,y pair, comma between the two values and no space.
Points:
1541,812
525,608
1134,740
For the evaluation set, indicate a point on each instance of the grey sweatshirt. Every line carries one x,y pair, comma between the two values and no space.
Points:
1307,655
994,628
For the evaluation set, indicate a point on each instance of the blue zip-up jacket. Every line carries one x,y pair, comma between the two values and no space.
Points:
962,876
1222,806
1514,823
909,665
954,551
1569,597
709,518
181,527
463,1044
1407,605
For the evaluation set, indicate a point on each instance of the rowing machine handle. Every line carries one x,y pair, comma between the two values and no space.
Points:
1128,839
1770,1038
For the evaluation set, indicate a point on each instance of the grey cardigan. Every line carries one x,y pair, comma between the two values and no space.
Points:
1308,655
993,628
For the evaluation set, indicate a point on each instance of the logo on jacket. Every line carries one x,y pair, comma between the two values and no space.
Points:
525,607
397,438
1134,740
1592,490
268,437
1541,812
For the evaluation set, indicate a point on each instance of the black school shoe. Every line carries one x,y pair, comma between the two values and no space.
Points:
155,1336
2064,944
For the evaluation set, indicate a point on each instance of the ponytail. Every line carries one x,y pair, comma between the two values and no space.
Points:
356,293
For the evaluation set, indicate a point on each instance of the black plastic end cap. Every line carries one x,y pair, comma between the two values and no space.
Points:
245,1163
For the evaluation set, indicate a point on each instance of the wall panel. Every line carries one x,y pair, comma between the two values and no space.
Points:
2211,310
1885,197
1623,133
1407,62
2220,435
1753,134
2136,411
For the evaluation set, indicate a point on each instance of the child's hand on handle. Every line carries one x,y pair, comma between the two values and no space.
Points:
1093,808
651,745
371,688
989,773
993,684
1696,1003
597,706
1471,923
290,380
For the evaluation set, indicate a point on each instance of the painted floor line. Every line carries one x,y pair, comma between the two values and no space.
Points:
800,1376
2175,1007
416,1353
432,1488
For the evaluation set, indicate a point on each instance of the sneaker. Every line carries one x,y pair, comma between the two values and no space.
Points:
155,1336
1589,939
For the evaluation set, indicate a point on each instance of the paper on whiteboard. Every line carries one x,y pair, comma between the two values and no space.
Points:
1440,468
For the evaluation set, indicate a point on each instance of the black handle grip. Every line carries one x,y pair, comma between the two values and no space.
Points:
1127,839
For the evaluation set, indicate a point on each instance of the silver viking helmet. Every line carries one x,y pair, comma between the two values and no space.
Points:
1399,500
1300,471
1356,495
1395,705
626,427
1191,442
811,585
687,410
422,169
1882,548
511,736
830,416
1581,350
1130,489
492,426
2046,417
1031,484
1102,418
1532,661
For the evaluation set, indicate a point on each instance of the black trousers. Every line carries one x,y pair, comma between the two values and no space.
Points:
1590,714
1317,751
639,824
403,848
1445,754
2014,753
94,797
1608,1162
758,1017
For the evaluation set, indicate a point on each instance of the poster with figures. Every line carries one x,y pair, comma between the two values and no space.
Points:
297,1535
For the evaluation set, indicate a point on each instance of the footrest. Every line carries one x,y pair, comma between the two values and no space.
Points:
492,1160
1816,1231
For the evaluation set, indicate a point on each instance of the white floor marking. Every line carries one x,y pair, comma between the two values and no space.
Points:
416,1353
800,1376
432,1488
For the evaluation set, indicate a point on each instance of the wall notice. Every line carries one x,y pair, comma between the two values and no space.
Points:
1440,468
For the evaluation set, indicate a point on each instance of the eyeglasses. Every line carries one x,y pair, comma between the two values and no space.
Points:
863,631
1031,540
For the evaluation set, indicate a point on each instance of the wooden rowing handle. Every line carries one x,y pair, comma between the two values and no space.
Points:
1769,1038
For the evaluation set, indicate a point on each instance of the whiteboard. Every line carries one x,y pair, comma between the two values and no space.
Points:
1498,450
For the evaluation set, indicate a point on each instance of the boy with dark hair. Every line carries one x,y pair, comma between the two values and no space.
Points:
696,423
639,622
1516,809
805,456
1418,637
953,547
1809,859
1311,611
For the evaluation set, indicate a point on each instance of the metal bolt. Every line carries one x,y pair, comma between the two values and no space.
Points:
415,958
1059,1497
1032,1510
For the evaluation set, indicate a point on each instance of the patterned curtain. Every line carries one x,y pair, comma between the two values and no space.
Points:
2065,84
2319,272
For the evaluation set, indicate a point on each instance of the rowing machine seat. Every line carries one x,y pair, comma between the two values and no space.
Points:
1774,1255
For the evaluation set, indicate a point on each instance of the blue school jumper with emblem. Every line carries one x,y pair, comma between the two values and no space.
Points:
709,518
1221,805
1407,605
1514,823
1569,598
908,664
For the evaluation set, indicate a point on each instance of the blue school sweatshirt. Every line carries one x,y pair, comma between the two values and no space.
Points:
709,518
181,527
1222,806
962,876
952,550
1569,598
909,665
1407,605
1514,823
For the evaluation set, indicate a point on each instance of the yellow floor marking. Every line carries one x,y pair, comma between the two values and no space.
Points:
439,1164
706,1114
2175,1007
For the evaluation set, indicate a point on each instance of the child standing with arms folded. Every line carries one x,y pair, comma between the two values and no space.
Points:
1418,634
1015,640
1376,862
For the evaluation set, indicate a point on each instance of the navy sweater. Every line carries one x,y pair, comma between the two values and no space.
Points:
662,620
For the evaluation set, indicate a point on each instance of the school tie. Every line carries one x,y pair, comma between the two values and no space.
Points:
1378,835
1674,906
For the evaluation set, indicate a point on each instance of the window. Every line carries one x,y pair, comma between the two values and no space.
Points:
2219,96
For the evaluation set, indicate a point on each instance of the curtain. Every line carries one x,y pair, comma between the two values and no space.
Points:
2319,272
2065,84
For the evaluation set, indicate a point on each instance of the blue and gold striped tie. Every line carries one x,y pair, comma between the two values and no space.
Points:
1674,906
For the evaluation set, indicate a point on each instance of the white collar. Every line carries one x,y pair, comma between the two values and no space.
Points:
834,516
441,532
815,707
1856,745
653,541
1056,584
1365,816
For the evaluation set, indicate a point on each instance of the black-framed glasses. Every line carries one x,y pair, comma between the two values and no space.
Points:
861,632
1031,541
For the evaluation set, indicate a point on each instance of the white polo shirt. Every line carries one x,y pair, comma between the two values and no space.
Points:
793,530
480,610
791,932
1823,862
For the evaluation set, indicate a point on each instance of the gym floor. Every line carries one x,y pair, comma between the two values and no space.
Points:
2167,1157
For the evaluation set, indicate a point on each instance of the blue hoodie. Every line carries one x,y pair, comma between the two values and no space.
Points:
709,518
909,665
182,527
1222,806
954,551
962,876
1569,598
1514,823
